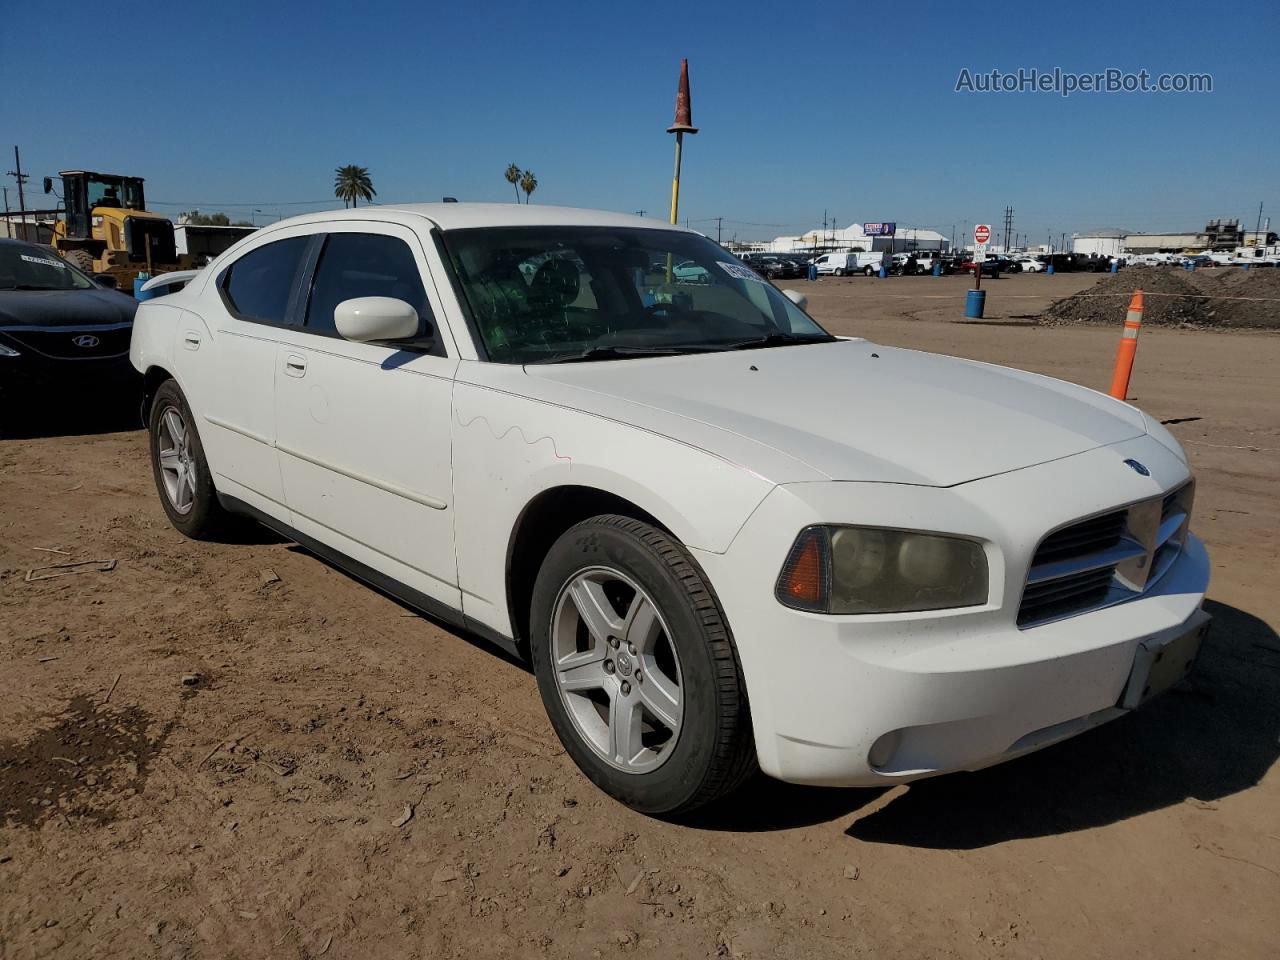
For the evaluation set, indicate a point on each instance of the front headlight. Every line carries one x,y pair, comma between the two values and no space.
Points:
834,569
8,351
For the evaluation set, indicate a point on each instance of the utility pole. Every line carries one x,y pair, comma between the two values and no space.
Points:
22,178
1258,226
718,220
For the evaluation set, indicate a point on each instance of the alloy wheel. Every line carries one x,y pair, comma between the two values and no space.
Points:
177,466
617,670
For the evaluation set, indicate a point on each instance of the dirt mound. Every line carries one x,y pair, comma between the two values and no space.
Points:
1258,290
1230,297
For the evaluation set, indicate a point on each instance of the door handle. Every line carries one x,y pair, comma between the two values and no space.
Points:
295,366
191,340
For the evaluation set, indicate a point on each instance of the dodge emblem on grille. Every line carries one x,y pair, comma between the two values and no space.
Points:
86,340
1138,468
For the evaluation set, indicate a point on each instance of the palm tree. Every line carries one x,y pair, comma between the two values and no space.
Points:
352,182
528,183
513,178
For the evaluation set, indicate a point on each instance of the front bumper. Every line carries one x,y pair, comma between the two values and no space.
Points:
37,377
878,699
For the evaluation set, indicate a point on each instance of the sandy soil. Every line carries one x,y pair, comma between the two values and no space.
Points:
233,750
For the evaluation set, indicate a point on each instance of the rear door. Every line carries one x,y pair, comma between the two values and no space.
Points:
226,359
364,429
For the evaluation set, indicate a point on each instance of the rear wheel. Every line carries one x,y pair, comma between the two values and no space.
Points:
839,271
869,271
180,469
637,669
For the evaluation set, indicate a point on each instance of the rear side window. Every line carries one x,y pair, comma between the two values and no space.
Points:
258,285
365,265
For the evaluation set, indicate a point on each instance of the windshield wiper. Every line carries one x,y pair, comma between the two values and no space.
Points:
619,353
780,340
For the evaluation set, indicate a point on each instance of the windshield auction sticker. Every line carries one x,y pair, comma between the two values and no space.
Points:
739,272
47,263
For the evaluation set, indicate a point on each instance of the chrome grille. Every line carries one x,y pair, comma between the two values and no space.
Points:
1105,559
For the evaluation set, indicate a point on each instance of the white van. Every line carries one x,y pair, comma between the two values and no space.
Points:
847,264
838,264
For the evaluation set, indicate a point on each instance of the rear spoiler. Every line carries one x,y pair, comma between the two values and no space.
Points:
158,286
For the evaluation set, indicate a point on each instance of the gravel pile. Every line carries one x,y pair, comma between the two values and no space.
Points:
1178,298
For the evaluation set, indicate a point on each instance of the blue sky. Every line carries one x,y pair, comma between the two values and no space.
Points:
844,107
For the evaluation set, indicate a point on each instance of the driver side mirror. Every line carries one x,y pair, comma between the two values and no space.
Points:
106,280
372,319
799,299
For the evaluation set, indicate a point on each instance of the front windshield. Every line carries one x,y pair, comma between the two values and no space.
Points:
114,192
25,267
545,294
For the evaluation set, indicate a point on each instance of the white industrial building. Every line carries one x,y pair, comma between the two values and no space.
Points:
852,238
1105,242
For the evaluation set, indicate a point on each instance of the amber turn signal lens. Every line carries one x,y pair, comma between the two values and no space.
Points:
805,580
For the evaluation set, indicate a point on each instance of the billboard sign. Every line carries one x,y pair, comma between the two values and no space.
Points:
879,229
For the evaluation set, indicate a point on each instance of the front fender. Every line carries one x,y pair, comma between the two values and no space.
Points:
508,449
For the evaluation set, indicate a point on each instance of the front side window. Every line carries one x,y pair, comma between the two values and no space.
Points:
355,265
258,285
24,267
548,294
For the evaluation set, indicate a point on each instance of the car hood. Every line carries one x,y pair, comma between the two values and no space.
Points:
64,308
852,410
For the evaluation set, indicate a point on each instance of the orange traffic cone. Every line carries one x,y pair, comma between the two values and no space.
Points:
1128,347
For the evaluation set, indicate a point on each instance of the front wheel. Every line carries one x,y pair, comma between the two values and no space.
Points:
869,271
839,271
637,668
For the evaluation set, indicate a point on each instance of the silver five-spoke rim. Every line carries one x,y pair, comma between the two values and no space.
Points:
617,670
176,467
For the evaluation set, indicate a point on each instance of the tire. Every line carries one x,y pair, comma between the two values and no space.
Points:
684,664
839,271
186,492
81,259
868,272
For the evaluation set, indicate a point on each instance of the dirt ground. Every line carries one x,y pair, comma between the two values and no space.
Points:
234,750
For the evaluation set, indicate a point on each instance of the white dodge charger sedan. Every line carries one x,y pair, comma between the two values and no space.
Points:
722,537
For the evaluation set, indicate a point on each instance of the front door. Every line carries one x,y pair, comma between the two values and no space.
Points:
363,430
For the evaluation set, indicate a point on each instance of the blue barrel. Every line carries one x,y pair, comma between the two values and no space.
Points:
937,269
882,272
813,271
1115,266
974,303
138,292
1049,269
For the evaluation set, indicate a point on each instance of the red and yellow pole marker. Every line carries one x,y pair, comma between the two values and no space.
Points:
1128,347
682,124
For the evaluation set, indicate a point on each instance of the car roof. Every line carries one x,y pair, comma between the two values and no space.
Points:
461,216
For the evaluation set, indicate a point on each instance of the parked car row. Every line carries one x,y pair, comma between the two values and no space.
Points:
778,266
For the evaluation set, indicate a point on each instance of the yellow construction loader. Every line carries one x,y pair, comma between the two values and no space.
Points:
107,228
